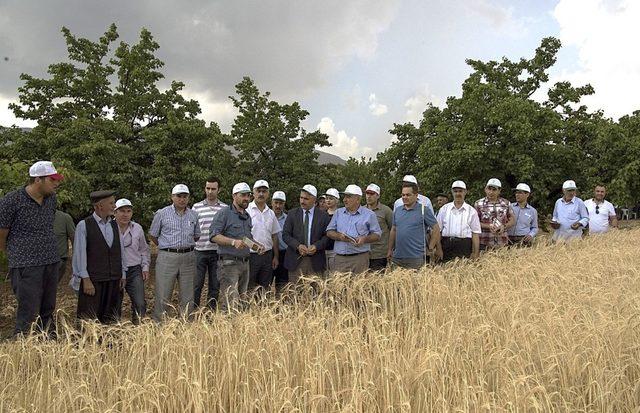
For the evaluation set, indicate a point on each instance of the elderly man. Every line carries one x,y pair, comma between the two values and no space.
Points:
65,230
26,234
496,217
136,257
602,214
384,214
207,251
441,200
526,226
99,262
410,179
175,230
460,226
265,230
304,233
229,229
407,240
570,215
280,274
354,228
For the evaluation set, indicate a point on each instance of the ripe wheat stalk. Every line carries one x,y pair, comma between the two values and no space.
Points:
551,328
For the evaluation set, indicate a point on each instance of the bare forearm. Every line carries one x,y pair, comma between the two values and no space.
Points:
334,235
222,240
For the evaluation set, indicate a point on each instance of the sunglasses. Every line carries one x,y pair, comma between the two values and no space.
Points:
597,209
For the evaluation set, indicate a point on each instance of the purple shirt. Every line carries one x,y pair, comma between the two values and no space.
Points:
136,249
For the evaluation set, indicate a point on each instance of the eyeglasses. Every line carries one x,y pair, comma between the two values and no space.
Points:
182,195
597,209
492,188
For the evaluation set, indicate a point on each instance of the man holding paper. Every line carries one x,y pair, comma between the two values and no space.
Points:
304,233
231,230
354,228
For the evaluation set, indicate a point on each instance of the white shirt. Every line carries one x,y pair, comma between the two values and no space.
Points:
599,223
458,222
264,224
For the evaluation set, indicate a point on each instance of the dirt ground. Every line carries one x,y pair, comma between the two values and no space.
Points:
67,300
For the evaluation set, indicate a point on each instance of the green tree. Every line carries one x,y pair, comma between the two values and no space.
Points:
270,142
104,120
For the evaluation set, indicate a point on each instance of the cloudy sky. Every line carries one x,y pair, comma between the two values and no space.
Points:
357,66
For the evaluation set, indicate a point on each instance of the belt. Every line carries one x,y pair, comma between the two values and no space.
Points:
455,238
351,255
233,258
178,250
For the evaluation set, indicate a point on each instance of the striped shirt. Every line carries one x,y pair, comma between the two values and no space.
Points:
460,222
173,230
206,212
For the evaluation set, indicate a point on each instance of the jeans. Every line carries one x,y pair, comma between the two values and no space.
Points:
206,262
135,290
35,289
234,279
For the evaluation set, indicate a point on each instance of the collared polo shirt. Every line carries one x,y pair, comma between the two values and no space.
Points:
384,215
206,212
526,221
356,224
411,228
64,229
264,225
599,215
232,224
174,230
460,222
31,241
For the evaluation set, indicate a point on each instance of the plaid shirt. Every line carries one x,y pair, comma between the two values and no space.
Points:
487,212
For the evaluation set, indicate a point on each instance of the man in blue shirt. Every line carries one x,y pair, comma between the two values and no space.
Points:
354,228
526,218
175,231
407,240
570,215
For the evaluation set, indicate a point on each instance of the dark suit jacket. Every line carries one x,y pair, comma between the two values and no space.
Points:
293,235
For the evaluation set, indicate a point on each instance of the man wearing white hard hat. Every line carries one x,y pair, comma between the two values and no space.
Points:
496,216
570,215
230,229
459,226
280,274
526,227
99,267
353,228
304,233
175,231
410,179
27,237
602,214
265,230
408,245
384,214
136,257
333,203
207,251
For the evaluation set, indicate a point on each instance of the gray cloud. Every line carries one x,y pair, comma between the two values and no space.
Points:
287,47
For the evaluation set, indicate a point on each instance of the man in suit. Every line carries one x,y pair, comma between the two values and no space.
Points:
304,233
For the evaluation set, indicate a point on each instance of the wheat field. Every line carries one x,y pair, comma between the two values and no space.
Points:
551,328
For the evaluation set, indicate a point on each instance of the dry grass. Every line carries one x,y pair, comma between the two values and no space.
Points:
553,328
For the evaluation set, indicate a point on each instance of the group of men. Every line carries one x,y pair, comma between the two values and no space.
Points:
240,249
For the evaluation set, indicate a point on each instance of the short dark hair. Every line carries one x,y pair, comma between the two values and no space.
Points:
411,185
442,194
213,179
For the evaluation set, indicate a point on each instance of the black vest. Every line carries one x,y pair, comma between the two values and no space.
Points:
103,263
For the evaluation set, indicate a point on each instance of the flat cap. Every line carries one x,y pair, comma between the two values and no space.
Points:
96,196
